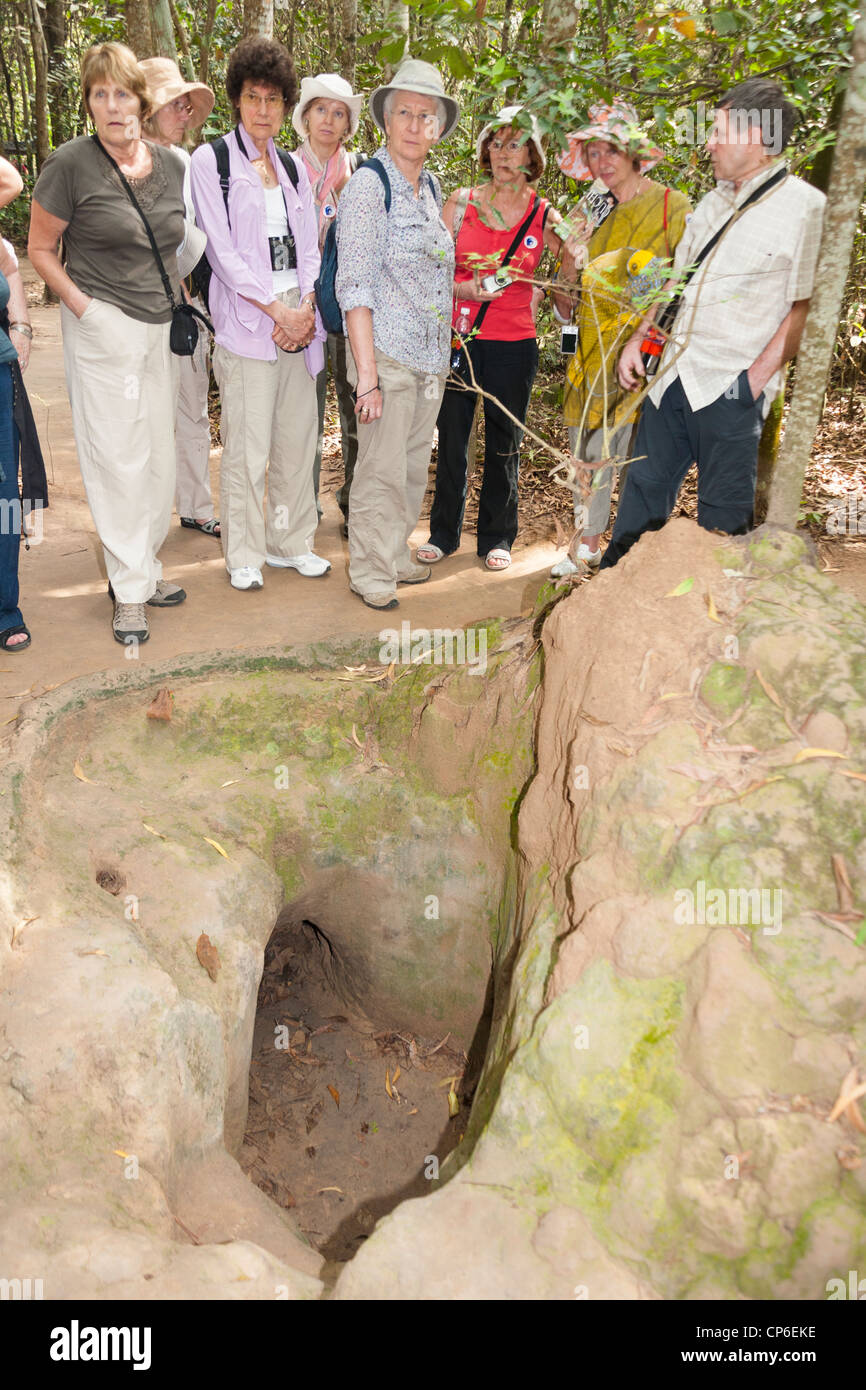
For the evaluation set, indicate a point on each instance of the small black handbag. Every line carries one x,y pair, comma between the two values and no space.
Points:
183,334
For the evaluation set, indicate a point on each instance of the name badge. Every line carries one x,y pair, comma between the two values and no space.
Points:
283,255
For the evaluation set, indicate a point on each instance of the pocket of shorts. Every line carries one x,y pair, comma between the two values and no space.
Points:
89,311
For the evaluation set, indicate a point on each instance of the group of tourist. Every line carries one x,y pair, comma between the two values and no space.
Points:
437,303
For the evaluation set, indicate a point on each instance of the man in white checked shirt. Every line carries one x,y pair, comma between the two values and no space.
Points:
739,322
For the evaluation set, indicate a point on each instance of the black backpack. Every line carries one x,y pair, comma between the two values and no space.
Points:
200,275
325,287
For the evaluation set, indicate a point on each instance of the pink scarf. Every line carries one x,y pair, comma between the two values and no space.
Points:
325,179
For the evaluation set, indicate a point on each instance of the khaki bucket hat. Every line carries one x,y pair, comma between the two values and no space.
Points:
166,84
414,75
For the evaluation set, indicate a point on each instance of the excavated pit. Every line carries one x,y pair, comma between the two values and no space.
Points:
348,1116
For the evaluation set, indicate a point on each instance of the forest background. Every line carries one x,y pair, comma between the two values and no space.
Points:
556,57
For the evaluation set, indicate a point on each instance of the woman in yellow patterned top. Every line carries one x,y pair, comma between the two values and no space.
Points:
625,263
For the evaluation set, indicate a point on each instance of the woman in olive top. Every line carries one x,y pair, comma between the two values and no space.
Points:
115,315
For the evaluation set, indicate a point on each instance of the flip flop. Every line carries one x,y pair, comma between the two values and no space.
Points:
209,528
502,556
429,554
13,632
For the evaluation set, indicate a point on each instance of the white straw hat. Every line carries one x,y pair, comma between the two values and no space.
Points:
191,249
334,88
414,75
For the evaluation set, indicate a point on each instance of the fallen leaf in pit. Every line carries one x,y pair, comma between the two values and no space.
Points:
78,772
395,1077
335,1094
232,782
848,1096
297,1037
682,588
325,1028
453,1103
711,610
844,891
161,705
414,1112
768,690
158,833
330,1189
314,1116
208,955
19,927
435,1049
805,753
675,695
91,953
845,772
216,845
120,1153
388,1083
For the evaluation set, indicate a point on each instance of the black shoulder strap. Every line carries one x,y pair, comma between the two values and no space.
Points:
221,151
518,237
289,165
166,284
379,168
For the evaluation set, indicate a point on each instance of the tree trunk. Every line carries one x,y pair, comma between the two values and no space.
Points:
398,20
505,43
205,42
259,18
559,22
163,30
7,82
816,350
183,41
55,40
768,452
138,31
40,70
349,51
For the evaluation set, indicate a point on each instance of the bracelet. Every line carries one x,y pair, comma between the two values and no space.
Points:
367,393
24,329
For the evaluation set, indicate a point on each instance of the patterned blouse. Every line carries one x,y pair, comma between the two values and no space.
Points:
399,265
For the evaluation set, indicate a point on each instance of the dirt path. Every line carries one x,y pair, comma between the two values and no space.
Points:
63,584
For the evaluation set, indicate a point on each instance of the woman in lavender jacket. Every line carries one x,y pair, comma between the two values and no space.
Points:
265,259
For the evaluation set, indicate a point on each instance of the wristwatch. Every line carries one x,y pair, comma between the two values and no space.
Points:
24,329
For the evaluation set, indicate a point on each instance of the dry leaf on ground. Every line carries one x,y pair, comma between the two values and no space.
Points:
208,955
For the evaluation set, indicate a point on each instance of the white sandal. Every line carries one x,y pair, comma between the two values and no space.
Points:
498,554
429,554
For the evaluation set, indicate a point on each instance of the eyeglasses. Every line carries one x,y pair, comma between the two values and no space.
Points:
512,146
181,106
270,102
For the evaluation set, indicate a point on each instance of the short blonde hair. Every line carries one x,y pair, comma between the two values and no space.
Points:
116,62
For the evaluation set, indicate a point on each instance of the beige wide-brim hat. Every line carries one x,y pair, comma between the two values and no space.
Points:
414,75
505,117
166,84
334,88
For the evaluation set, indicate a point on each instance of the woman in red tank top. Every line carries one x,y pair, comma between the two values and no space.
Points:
501,348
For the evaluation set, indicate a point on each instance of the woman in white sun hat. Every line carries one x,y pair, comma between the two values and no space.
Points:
502,352
180,106
326,116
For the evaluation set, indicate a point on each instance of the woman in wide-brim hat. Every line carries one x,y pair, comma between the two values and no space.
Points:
325,117
179,106
624,259
499,351
394,277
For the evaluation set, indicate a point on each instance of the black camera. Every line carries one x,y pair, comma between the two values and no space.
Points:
568,340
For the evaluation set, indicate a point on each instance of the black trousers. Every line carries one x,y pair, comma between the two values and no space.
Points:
722,438
507,370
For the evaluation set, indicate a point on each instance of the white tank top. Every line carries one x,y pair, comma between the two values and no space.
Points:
280,240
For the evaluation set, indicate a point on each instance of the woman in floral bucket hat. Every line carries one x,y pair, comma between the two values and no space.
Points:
624,259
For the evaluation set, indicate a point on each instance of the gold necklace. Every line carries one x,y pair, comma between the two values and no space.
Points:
264,173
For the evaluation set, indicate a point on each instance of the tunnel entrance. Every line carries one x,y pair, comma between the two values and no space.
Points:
348,1115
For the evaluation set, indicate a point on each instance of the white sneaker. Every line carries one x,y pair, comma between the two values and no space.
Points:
589,557
310,566
563,568
247,578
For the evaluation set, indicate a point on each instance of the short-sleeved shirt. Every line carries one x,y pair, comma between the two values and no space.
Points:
734,303
482,246
400,265
108,254
7,351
